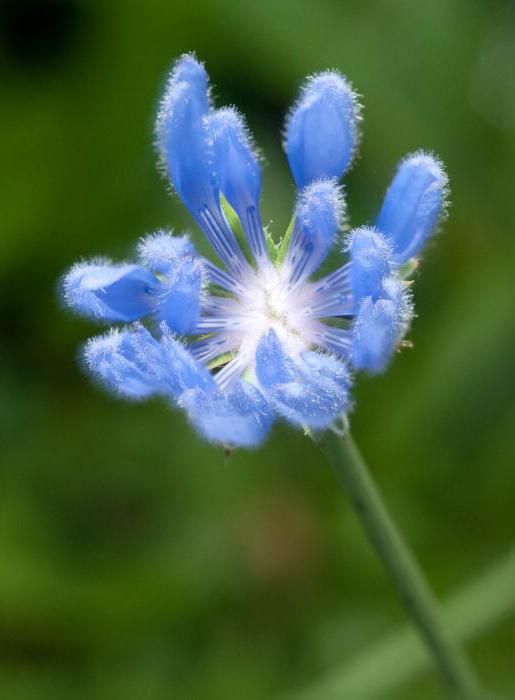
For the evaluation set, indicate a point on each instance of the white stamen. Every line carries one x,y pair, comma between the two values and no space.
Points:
268,302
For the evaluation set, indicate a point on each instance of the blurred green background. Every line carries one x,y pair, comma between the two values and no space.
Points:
137,562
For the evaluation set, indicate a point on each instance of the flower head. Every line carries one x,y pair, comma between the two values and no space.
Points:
260,334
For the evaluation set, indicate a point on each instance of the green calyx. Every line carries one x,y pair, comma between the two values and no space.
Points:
277,251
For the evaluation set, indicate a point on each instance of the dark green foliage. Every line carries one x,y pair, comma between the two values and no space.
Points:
140,563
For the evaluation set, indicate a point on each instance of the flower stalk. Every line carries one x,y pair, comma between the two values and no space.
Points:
410,583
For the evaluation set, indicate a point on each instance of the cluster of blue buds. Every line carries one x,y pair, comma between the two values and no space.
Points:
259,335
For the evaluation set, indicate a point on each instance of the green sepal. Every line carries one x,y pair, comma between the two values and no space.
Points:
235,224
308,432
249,375
409,267
219,292
220,360
282,247
271,245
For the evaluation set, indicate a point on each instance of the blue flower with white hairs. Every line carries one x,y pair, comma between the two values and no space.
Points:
260,334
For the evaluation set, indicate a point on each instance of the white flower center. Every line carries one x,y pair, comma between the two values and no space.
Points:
270,303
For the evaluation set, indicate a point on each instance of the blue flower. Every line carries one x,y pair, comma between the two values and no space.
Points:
261,334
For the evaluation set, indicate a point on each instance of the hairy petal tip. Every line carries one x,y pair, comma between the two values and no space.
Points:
322,129
105,291
413,204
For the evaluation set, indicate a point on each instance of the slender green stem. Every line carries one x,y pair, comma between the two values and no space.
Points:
411,585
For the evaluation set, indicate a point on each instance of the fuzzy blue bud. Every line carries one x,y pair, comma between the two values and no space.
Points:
322,129
380,325
413,204
180,134
371,262
126,362
238,173
238,417
132,363
319,213
181,369
235,163
179,298
312,392
105,291
273,366
161,250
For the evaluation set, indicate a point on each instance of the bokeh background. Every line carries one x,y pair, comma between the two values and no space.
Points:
137,562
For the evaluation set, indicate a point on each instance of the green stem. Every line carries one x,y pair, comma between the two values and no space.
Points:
411,585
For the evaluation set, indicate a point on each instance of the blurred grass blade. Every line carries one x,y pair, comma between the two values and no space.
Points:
396,659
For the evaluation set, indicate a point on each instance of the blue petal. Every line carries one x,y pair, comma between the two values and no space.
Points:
273,366
238,171
132,363
380,326
371,263
413,204
100,290
179,300
186,150
240,417
322,129
312,392
325,367
182,370
127,362
181,137
236,165
160,251
318,215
